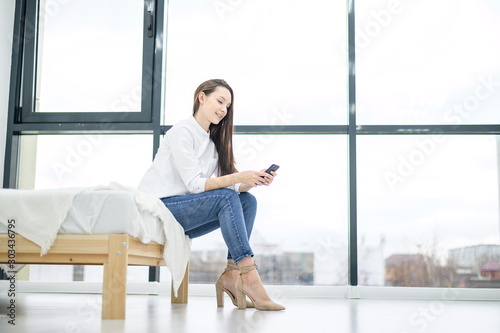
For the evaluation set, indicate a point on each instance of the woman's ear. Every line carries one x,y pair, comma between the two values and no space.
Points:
201,97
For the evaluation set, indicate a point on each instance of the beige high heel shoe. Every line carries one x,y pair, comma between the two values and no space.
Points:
219,289
240,295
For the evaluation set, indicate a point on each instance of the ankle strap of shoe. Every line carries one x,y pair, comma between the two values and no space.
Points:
246,269
231,267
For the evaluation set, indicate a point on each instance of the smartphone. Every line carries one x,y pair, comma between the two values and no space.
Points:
273,167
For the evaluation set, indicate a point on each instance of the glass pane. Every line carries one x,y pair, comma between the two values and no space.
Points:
281,58
84,161
429,210
428,62
91,160
90,56
300,232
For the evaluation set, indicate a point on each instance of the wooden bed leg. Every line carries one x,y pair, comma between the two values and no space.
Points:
182,294
114,286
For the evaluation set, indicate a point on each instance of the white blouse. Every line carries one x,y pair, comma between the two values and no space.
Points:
186,158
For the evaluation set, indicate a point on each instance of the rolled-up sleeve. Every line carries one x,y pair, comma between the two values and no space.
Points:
182,147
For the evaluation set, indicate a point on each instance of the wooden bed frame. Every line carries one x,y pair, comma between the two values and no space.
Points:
114,252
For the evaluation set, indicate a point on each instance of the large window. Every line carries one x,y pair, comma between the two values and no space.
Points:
383,116
82,98
421,198
427,62
101,59
286,68
428,203
300,232
279,56
88,61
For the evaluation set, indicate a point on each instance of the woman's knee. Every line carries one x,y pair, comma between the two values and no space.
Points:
248,199
226,196
227,192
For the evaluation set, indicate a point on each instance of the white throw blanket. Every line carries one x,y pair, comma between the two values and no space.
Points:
38,216
177,244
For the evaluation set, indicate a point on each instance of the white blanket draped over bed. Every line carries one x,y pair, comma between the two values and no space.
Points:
39,215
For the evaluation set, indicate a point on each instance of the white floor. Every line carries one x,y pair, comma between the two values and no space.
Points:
38,312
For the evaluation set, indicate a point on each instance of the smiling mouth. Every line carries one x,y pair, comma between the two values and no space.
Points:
218,115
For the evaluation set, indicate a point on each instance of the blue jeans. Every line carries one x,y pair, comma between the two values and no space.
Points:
223,208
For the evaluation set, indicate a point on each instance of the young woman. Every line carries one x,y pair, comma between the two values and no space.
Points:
193,151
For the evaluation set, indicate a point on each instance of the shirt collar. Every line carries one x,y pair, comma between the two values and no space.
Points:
199,128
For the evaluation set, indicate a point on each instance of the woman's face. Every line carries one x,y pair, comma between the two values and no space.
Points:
214,107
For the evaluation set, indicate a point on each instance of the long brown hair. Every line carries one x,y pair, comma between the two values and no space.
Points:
222,133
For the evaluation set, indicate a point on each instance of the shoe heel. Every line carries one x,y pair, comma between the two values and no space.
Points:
242,300
240,296
220,297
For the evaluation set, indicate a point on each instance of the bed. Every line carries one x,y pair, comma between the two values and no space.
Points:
113,226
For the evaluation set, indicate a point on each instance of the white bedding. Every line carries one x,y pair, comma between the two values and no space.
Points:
108,212
115,209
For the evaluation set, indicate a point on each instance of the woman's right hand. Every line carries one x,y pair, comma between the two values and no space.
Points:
252,178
